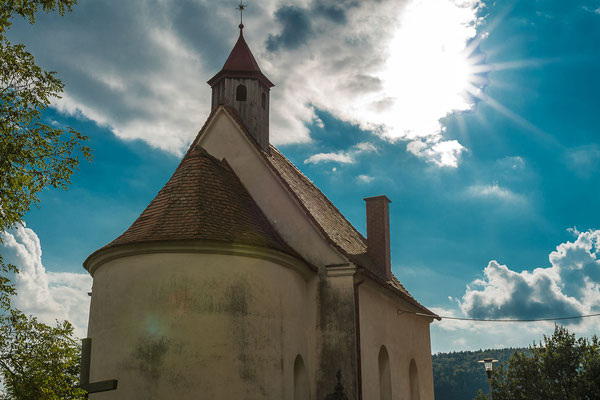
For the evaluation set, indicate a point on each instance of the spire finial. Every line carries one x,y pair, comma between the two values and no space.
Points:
241,7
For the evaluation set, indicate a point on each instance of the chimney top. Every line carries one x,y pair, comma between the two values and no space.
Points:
380,197
378,234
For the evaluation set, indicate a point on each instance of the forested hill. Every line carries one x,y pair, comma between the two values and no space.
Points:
458,375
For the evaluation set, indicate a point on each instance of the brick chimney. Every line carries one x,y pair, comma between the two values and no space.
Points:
378,234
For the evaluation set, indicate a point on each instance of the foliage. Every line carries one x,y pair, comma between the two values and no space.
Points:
28,8
38,361
561,367
33,154
7,289
458,375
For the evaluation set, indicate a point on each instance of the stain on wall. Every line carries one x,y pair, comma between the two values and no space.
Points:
148,356
338,339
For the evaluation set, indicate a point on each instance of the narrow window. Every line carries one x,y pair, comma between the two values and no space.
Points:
414,381
301,389
385,375
264,101
241,93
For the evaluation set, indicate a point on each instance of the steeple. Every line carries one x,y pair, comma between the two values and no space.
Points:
241,85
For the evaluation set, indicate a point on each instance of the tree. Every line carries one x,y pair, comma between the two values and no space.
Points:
36,361
561,367
458,375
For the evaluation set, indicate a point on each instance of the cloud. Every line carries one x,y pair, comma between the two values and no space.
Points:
141,66
591,9
437,151
453,335
49,296
295,31
347,157
571,286
335,157
514,163
365,178
494,191
583,160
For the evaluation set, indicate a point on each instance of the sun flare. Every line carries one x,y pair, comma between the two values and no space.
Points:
434,65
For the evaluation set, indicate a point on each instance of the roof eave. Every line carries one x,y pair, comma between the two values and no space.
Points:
108,253
241,75
381,282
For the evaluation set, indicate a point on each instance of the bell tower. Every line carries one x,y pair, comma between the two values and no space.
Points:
241,85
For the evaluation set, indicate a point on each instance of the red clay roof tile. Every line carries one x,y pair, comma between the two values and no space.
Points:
203,200
241,64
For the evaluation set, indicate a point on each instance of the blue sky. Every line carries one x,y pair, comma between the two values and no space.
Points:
478,119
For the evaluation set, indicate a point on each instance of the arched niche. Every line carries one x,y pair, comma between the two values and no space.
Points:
414,380
301,387
385,375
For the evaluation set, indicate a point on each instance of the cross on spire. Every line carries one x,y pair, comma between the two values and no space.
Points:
241,7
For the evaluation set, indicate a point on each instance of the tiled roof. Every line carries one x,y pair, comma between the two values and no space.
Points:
336,228
333,224
241,64
203,200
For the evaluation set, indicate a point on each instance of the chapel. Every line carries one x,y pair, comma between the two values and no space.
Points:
241,280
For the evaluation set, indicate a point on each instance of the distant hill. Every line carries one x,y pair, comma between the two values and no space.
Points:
458,375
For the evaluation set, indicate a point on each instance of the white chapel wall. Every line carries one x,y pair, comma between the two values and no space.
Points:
189,326
405,337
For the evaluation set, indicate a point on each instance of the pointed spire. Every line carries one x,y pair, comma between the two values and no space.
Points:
242,86
241,63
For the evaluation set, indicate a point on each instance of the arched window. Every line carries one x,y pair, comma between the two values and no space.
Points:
385,375
264,101
301,389
414,381
241,93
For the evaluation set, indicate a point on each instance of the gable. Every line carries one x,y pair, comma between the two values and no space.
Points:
224,137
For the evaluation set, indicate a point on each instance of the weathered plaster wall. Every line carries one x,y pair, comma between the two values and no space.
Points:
190,326
224,139
405,336
337,329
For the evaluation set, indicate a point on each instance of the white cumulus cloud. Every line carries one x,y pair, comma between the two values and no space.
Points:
342,157
142,66
49,296
570,286
443,153
365,178
335,157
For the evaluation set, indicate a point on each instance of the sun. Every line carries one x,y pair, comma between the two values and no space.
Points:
434,66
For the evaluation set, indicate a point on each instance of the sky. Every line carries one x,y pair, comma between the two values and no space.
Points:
478,119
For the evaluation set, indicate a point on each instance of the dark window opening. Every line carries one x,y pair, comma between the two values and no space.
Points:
264,101
241,93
